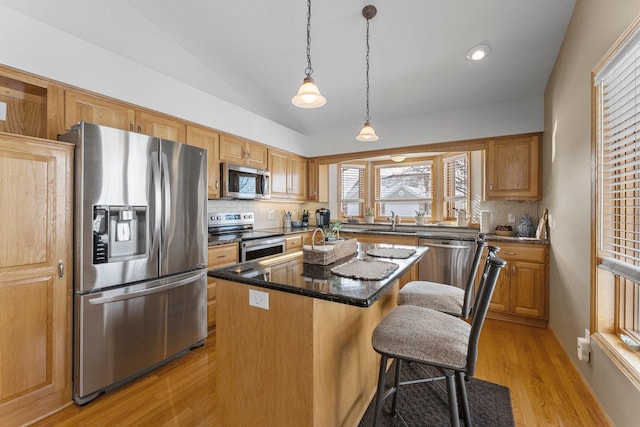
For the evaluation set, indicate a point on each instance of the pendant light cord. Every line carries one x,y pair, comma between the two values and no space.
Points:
309,70
368,116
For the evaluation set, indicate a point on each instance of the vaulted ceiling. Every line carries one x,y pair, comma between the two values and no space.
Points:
252,53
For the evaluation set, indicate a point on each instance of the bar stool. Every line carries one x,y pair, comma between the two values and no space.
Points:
425,336
443,297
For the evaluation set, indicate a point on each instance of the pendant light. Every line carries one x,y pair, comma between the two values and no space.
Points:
367,134
308,95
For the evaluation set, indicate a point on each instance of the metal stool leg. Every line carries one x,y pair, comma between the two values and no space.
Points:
396,387
453,399
380,392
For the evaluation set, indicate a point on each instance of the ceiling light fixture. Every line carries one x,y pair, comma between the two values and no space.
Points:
478,52
367,134
308,95
397,159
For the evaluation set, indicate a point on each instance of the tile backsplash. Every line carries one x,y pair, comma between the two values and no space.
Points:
268,214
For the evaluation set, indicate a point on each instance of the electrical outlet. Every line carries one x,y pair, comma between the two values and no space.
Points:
512,217
271,215
258,299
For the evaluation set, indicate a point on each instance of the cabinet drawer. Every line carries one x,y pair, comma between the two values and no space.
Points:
293,243
222,255
521,252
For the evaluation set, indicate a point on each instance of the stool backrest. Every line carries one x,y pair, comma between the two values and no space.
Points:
471,280
493,266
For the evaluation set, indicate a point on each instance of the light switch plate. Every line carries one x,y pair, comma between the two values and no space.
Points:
259,299
3,111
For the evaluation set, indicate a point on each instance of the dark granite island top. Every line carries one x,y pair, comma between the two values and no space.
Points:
288,273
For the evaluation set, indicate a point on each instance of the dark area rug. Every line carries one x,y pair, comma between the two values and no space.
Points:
426,404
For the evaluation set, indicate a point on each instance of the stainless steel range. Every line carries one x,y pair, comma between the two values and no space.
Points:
254,244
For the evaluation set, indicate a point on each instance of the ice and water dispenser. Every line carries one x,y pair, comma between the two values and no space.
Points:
119,233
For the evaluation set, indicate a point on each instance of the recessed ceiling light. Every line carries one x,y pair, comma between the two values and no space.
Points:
478,52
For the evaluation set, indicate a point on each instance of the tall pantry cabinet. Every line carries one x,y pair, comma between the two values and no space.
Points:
35,277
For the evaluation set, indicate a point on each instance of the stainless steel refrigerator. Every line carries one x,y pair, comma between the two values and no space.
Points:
140,251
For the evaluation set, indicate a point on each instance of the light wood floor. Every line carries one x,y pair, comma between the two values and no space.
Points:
545,387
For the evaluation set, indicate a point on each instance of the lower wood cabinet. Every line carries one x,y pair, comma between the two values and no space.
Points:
293,242
218,256
522,290
35,277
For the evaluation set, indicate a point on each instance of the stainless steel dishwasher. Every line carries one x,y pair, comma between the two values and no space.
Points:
447,260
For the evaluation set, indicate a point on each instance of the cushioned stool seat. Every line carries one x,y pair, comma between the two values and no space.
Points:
437,296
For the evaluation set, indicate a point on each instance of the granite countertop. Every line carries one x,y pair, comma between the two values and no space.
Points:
288,273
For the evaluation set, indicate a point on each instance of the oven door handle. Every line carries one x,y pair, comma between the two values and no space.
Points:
260,243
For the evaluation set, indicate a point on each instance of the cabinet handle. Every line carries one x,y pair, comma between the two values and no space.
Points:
60,270
217,184
222,256
490,187
510,253
139,128
131,126
248,155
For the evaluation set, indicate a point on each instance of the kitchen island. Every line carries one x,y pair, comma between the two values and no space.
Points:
294,340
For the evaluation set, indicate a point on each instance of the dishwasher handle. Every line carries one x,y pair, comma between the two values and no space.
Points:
444,245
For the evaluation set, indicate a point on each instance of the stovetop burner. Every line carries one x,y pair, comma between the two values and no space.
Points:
233,226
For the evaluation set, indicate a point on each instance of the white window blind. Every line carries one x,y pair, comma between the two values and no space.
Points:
455,182
618,93
353,189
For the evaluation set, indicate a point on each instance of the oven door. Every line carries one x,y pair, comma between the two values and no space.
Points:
258,248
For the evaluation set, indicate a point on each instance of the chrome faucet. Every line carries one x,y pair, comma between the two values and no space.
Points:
393,221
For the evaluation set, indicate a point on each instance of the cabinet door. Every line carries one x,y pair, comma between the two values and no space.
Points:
232,149
312,180
528,296
160,126
80,107
209,140
256,156
513,169
297,178
279,168
35,277
500,297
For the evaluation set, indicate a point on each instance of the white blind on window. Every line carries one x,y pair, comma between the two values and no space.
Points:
618,90
353,183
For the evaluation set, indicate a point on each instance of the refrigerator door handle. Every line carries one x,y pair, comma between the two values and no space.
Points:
154,226
148,291
165,185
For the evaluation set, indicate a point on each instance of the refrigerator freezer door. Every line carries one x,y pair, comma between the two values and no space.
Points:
129,330
113,184
183,171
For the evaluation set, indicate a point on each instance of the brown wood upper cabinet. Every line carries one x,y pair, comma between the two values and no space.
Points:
318,181
288,175
209,140
242,152
36,270
80,106
512,169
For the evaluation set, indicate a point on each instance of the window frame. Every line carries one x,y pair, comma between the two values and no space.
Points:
447,213
364,201
413,161
615,279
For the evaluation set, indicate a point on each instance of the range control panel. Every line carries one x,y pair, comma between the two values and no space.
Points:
220,219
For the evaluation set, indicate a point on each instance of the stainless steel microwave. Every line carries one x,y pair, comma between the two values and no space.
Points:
243,182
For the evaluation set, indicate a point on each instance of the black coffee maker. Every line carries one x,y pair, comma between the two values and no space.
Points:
323,216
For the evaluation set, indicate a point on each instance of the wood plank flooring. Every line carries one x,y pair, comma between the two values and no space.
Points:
545,387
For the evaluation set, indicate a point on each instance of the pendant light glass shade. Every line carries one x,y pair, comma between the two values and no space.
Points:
308,95
367,133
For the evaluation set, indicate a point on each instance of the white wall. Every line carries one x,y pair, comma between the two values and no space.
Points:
594,28
29,45
506,118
